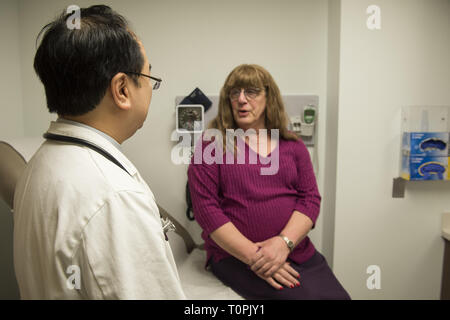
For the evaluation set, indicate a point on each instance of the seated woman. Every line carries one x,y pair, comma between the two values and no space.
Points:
255,225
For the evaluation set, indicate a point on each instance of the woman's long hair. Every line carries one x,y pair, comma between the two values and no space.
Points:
254,76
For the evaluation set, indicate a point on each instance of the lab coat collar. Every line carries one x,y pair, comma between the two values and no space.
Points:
70,130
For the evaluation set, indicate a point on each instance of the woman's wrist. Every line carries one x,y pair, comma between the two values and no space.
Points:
288,244
251,254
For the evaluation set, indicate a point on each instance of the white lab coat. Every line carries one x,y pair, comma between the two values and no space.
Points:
85,229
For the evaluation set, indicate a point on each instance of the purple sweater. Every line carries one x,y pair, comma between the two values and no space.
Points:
258,205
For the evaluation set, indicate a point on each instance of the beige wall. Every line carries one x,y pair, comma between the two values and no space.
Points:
331,136
11,119
405,63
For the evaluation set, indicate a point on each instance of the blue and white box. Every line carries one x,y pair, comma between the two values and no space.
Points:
424,168
423,144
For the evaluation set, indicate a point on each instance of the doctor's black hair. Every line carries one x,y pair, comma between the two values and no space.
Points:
76,65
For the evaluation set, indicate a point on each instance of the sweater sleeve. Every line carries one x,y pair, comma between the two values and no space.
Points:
309,198
204,188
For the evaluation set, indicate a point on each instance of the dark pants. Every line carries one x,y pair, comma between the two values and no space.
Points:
317,281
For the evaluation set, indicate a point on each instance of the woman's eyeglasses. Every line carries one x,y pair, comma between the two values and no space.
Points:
250,93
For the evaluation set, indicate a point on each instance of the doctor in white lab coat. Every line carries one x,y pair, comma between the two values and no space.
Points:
86,225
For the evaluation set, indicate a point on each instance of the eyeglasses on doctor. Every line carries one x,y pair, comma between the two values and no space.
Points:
250,93
156,81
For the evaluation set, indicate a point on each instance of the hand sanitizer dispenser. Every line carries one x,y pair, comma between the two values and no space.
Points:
309,118
303,123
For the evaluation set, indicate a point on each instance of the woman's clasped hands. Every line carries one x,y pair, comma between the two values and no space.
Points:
269,263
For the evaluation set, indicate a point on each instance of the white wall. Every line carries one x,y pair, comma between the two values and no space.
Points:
405,63
197,43
329,168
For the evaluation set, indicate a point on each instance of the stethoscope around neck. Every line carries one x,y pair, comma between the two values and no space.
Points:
106,154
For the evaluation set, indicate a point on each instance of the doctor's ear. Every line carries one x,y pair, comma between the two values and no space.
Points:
120,91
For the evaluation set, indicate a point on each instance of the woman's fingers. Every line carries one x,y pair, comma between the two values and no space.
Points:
273,283
264,270
286,278
258,264
291,270
266,267
263,265
284,281
269,271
